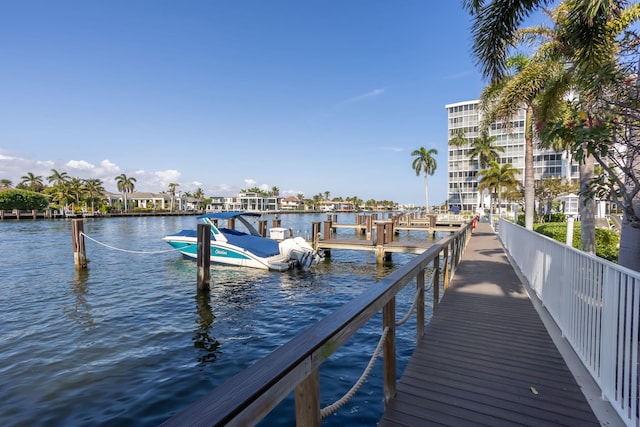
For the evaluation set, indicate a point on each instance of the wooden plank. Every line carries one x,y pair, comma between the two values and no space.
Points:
486,357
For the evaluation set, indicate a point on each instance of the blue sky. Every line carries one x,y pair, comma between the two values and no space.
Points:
308,96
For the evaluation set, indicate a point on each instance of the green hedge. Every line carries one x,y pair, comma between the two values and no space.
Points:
607,241
554,217
22,200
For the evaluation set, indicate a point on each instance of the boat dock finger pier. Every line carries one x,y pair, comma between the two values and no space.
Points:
379,233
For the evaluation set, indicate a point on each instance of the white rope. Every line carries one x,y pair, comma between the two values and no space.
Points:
413,306
338,404
130,251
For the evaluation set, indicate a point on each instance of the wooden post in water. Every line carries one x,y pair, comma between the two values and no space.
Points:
276,223
262,227
327,230
204,257
380,240
77,241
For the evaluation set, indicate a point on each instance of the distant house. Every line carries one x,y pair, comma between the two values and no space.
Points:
291,203
154,201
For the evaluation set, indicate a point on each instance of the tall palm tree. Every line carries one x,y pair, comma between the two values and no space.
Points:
484,150
94,190
58,178
32,182
125,185
458,139
199,195
498,178
503,99
425,162
172,191
76,189
590,36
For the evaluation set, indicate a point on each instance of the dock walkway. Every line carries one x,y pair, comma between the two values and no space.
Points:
486,357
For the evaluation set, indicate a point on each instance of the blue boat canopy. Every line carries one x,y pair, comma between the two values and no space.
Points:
227,215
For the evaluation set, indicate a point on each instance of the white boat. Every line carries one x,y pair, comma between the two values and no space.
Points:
233,246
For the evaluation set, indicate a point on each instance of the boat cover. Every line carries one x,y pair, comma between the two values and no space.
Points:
257,245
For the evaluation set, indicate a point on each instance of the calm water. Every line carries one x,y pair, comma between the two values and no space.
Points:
129,342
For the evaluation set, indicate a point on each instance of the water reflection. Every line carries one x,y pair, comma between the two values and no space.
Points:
80,309
209,346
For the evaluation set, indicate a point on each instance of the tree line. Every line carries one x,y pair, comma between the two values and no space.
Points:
63,190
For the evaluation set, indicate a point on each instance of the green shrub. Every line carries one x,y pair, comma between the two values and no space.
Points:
607,241
537,219
22,200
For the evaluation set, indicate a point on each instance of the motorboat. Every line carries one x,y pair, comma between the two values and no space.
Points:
241,244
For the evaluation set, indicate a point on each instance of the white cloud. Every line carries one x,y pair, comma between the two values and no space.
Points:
108,166
79,164
250,182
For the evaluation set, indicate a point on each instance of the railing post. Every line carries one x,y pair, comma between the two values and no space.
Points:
307,396
436,281
389,374
445,273
420,306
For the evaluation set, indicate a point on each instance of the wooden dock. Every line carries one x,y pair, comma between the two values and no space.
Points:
383,243
486,357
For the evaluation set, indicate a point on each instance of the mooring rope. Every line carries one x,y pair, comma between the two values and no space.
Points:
130,251
413,306
328,410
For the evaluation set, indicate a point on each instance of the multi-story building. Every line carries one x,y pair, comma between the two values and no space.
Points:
463,180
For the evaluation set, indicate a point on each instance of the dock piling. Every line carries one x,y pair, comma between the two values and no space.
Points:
203,259
77,241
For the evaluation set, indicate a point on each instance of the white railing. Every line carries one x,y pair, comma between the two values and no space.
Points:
596,305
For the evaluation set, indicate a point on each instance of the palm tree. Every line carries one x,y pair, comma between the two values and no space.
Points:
589,34
125,185
504,98
459,139
483,149
424,162
199,195
498,179
76,189
94,190
58,178
32,182
172,191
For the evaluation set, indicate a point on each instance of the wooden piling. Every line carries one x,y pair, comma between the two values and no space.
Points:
262,227
77,241
327,230
204,257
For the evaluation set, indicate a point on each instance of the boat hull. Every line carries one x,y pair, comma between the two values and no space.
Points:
223,253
